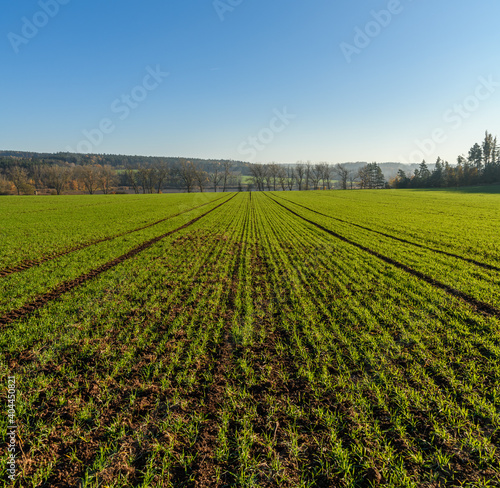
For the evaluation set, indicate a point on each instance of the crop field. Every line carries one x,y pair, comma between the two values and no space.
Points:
277,339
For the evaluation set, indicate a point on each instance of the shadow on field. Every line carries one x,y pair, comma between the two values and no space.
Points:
491,189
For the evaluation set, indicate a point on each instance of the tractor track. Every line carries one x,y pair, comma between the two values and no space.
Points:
23,266
441,382
479,306
400,239
65,474
67,286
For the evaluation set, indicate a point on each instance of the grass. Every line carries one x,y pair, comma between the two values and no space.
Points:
260,345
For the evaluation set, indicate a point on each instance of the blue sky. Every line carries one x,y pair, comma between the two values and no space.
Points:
254,80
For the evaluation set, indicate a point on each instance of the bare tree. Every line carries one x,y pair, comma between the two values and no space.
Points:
274,171
364,178
322,170
88,176
56,177
187,174
353,176
216,175
148,178
269,178
308,173
258,172
19,177
162,173
327,175
316,175
343,174
37,174
290,173
201,178
282,177
239,182
228,166
142,178
107,178
300,173
133,180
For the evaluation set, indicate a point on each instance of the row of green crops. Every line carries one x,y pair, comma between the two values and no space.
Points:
18,288
108,364
467,223
252,348
32,227
480,282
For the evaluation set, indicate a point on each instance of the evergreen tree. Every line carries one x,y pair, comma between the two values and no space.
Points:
401,180
437,174
424,174
476,157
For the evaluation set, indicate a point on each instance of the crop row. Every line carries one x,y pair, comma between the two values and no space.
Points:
256,347
481,283
105,372
23,287
34,229
413,368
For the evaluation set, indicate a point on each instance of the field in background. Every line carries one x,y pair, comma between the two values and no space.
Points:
285,339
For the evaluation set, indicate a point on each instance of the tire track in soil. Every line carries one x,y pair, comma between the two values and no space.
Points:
490,267
173,308
307,397
462,465
479,306
205,465
23,266
65,472
67,286
317,291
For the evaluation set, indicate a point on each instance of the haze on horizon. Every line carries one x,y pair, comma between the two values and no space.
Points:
390,80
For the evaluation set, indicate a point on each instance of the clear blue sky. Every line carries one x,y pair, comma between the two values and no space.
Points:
232,68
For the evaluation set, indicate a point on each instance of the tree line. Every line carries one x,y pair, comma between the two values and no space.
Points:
24,173
116,161
320,176
480,166
29,177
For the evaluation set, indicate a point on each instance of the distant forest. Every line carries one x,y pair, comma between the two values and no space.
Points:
58,173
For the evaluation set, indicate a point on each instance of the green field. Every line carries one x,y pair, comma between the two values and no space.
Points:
278,339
